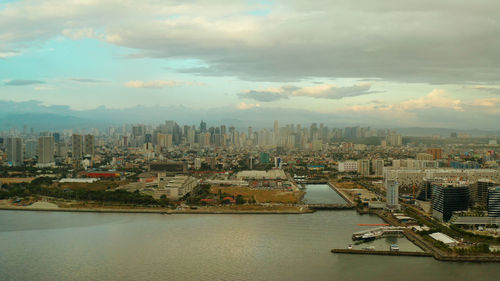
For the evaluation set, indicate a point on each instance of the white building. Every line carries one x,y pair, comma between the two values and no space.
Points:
392,194
348,166
174,187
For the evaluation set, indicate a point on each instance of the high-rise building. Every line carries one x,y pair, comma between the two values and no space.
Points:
364,167
392,194
46,151
77,147
378,167
203,126
15,151
89,144
448,198
276,131
435,152
394,139
479,192
494,201
30,149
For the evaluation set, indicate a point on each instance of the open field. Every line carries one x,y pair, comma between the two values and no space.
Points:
16,180
261,196
347,185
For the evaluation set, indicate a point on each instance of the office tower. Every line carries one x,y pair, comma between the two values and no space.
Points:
30,149
479,192
448,198
203,126
223,129
57,137
15,151
77,147
89,144
435,152
392,194
494,201
250,133
46,151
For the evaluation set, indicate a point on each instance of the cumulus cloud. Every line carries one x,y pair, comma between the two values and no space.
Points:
389,39
22,82
159,84
321,91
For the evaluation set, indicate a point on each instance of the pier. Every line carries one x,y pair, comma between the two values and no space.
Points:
381,253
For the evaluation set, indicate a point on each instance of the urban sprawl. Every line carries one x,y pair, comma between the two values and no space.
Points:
445,190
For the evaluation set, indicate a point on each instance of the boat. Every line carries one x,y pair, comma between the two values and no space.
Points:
368,236
394,248
369,248
349,246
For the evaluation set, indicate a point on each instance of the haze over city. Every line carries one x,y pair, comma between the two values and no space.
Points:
384,64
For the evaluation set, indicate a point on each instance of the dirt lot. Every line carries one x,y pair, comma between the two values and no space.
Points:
347,185
261,196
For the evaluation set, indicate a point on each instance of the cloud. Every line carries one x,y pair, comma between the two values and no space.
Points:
245,106
8,54
390,39
87,80
435,99
159,84
489,89
23,82
321,91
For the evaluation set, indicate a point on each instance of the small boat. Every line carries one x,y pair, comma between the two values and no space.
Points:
349,246
394,248
368,237
369,248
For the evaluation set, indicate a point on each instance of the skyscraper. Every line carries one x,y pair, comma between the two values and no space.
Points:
46,151
392,194
89,144
203,126
77,146
15,151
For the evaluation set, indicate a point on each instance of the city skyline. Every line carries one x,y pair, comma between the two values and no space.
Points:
384,65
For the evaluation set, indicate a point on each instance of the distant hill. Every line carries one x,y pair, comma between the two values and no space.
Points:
417,131
48,122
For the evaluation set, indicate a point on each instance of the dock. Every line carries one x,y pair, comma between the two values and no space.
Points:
382,253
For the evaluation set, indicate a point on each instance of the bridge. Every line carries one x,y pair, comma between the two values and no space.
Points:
330,206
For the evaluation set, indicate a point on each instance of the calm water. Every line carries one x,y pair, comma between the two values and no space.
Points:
92,246
322,194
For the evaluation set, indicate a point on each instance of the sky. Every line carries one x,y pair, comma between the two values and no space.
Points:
381,63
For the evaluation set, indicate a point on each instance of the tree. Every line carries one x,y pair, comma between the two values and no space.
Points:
240,200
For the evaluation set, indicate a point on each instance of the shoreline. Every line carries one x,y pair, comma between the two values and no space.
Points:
160,211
